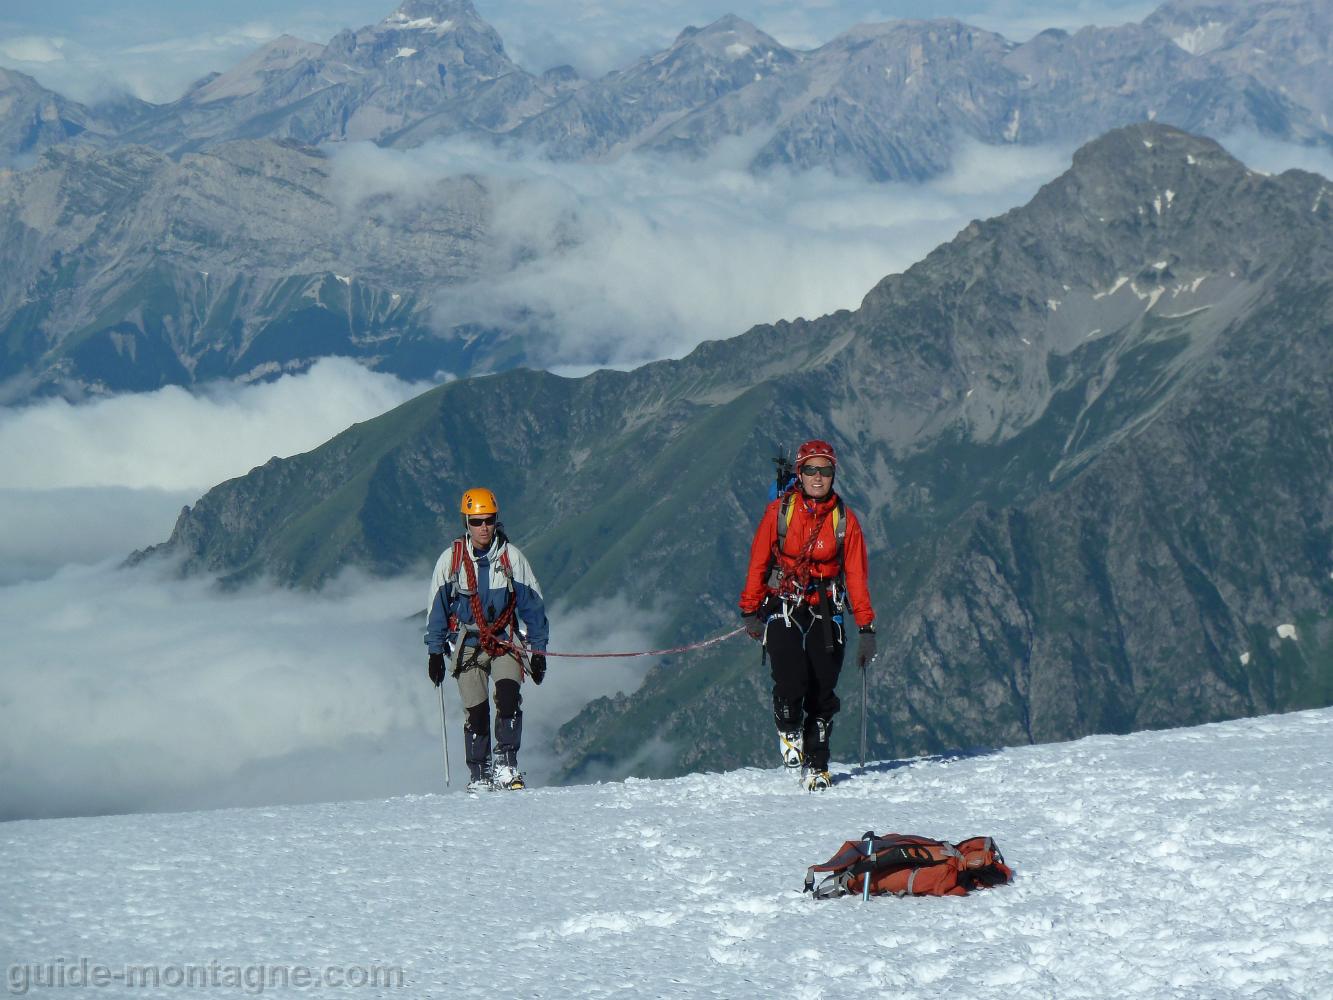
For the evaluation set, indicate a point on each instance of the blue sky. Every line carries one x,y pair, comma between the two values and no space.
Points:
155,48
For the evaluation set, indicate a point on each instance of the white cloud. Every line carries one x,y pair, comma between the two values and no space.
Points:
33,49
247,37
129,690
91,67
132,690
620,263
175,439
46,529
95,480
1273,157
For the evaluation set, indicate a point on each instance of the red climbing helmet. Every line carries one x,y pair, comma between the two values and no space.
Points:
815,449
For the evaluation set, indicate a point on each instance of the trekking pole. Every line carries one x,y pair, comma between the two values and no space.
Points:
444,736
865,684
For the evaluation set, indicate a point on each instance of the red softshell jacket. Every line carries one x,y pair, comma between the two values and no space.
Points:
824,566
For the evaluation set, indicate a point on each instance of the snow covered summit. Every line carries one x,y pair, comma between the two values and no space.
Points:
1185,863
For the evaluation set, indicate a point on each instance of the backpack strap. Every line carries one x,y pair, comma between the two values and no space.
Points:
456,557
458,554
839,530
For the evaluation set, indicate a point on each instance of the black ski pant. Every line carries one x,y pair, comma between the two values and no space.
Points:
805,677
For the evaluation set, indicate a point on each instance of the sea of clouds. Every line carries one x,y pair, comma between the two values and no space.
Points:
616,264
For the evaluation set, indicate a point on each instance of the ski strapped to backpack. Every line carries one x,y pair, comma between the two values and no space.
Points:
904,865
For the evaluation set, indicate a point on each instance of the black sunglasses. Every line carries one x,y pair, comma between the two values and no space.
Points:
825,471
477,522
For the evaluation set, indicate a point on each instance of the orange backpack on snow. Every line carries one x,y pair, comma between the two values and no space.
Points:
903,865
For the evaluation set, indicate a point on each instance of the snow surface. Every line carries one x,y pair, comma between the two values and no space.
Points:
1178,864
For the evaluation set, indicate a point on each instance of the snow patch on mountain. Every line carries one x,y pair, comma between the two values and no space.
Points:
1204,38
400,21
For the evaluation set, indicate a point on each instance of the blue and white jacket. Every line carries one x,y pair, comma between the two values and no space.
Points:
450,597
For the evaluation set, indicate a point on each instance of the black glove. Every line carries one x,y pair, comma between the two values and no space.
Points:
537,667
435,668
754,625
865,651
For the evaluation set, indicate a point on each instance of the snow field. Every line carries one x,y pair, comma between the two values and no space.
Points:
1180,864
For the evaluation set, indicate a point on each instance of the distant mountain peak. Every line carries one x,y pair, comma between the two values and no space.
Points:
438,16
726,30
728,39
1140,147
251,74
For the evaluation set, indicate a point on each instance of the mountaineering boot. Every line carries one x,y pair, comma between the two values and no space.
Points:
506,774
817,731
790,744
817,781
479,777
508,736
477,742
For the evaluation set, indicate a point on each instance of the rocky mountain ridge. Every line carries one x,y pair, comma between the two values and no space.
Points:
889,101
128,269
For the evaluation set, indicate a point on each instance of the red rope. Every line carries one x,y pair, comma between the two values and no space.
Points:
490,635
524,651
650,652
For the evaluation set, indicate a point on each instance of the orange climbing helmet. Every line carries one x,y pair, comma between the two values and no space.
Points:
478,500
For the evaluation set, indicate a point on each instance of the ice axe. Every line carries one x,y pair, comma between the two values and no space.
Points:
865,686
444,734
